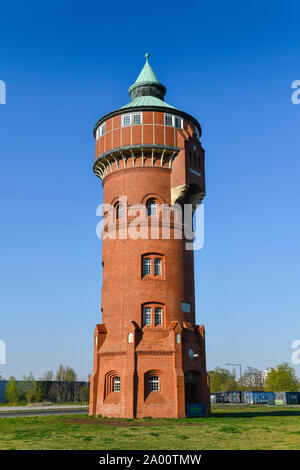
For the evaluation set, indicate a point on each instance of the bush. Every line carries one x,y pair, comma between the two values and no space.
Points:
12,391
84,395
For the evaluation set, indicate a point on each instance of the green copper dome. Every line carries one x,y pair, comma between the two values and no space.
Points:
147,90
147,75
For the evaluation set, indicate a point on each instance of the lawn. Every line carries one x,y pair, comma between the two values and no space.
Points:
249,427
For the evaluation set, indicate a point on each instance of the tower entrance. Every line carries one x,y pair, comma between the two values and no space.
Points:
191,387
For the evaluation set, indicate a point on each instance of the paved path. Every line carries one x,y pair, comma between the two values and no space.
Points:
21,411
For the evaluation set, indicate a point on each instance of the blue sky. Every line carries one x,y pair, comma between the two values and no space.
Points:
230,65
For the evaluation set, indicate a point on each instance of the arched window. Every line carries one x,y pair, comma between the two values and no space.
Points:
153,383
154,386
130,337
153,266
151,207
112,385
116,384
153,314
119,211
177,338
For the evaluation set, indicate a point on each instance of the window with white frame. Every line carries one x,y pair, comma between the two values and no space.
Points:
178,122
100,131
147,316
158,315
168,120
126,120
136,118
117,384
153,383
157,266
146,266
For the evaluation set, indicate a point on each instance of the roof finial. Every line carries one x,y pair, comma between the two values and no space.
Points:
147,55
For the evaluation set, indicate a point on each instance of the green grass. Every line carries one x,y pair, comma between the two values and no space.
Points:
249,427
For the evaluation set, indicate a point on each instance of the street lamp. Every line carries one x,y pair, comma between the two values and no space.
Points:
240,366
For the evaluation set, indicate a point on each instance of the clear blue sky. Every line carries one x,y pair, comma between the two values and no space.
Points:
229,64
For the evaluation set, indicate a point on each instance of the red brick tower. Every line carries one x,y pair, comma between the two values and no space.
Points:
149,355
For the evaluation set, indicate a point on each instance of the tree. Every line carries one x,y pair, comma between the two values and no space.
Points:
66,378
48,376
66,374
282,379
31,389
28,387
12,391
39,391
222,380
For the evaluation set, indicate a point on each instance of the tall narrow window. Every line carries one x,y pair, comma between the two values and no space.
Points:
119,211
117,384
178,122
151,207
147,316
168,120
103,127
157,267
158,315
153,383
146,266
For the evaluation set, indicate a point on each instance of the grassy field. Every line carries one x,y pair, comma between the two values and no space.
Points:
246,427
